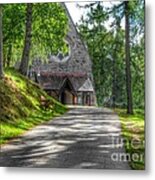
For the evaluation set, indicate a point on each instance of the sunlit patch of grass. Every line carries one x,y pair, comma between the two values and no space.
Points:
14,129
20,105
133,131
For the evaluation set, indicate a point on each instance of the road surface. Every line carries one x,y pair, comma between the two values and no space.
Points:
84,137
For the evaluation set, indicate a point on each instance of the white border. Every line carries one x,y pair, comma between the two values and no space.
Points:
57,174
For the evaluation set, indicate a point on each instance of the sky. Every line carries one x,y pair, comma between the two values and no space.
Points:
76,12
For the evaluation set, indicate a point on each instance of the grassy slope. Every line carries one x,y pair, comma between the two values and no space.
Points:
133,131
20,107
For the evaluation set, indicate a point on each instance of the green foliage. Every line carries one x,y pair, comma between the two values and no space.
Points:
49,28
103,31
133,131
20,107
13,31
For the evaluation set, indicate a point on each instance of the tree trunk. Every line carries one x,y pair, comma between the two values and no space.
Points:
9,55
1,44
127,60
26,52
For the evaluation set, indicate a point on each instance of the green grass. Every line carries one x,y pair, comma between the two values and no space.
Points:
12,130
133,132
20,105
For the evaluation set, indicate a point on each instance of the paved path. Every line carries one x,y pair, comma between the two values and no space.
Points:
82,138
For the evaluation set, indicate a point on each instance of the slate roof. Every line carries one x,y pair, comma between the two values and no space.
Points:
87,86
55,81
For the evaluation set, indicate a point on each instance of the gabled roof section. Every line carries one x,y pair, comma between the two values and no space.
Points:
87,86
58,81
67,85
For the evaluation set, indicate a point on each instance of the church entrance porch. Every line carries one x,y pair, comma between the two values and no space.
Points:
70,97
69,88
67,93
85,98
66,97
82,98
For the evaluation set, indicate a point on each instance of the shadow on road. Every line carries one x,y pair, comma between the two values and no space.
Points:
82,138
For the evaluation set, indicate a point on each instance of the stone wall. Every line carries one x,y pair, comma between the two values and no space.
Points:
78,60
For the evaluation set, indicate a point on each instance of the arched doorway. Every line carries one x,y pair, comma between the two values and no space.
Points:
67,93
67,97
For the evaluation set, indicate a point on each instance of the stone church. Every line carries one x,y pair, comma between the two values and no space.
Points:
68,78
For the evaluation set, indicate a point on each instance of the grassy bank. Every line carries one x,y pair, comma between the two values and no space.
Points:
133,132
21,107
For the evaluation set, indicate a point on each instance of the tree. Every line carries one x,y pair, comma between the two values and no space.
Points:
107,49
127,59
27,45
49,27
104,52
13,32
1,44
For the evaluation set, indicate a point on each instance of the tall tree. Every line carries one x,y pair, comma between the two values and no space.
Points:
13,32
1,44
49,28
106,45
127,59
27,45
